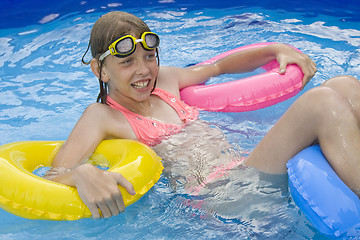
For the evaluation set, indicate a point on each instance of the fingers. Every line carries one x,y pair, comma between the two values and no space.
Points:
288,56
107,204
120,204
94,209
282,68
112,203
124,183
106,207
309,69
105,211
112,206
99,190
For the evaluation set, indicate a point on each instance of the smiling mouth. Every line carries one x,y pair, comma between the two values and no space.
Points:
141,84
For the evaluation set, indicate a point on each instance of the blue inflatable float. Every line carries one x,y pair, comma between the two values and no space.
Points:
329,205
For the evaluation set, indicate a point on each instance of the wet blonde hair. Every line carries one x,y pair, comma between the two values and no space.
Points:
105,31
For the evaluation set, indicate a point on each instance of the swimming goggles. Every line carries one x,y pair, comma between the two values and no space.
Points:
126,45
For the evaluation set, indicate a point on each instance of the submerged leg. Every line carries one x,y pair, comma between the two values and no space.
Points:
326,115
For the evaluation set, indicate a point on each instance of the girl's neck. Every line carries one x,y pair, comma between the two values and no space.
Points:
139,107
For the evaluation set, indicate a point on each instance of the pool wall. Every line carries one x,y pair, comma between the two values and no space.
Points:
20,13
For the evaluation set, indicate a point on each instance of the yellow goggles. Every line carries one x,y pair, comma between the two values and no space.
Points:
126,45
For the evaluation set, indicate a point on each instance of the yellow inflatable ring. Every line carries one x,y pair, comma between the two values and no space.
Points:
27,195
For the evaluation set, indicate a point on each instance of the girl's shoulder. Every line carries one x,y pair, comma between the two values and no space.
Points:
188,76
100,111
94,108
169,79
113,120
167,72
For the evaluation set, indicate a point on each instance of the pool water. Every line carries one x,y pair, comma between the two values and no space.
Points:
45,88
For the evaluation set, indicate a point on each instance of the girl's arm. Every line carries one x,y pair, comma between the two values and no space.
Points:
98,189
247,61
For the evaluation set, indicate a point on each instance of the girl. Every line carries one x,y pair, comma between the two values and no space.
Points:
140,100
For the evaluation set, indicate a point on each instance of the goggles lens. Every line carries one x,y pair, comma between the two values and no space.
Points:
126,45
152,41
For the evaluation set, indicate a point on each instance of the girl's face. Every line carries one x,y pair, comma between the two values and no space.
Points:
131,78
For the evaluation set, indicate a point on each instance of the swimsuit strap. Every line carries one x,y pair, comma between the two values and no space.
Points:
151,131
185,112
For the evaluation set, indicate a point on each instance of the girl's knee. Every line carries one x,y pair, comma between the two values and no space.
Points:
330,110
349,88
326,101
341,82
321,96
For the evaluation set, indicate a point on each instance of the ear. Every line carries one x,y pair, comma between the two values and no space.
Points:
95,67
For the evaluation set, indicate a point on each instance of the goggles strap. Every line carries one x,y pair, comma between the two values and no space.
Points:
104,55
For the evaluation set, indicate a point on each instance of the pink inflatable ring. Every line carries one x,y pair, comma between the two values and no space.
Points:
245,94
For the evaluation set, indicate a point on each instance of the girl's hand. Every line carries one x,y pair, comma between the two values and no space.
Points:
286,55
99,190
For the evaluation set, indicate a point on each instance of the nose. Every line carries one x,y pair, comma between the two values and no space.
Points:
142,67
142,70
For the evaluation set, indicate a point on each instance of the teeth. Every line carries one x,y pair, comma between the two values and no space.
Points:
141,84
